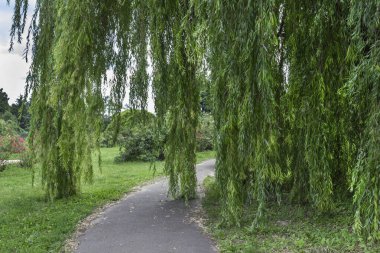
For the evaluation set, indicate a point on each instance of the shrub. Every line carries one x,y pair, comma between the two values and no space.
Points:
17,144
129,119
136,136
5,151
10,141
26,159
6,133
139,140
205,133
107,139
141,144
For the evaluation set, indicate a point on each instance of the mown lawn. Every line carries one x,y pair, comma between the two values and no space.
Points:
286,228
28,223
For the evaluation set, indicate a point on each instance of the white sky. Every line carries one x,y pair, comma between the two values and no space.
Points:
13,68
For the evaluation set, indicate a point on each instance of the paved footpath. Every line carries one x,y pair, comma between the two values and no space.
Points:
147,221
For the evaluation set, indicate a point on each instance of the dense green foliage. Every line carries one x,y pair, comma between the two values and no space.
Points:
4,106
363,94
295,92
143,141
141,145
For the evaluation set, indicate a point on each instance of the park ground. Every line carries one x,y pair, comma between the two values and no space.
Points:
29,223
285,228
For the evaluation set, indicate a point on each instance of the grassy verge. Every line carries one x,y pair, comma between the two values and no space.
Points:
287,228
14,157
30,224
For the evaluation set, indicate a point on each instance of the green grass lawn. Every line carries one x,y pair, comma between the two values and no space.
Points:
30,224
286,228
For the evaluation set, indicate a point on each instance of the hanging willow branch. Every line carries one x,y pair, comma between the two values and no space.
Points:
71,45
316,46
246,76
175,81
363,89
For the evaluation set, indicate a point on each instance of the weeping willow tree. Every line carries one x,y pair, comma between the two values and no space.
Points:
242,53
176,89
73,47
363,90
316,46
70,44
295,87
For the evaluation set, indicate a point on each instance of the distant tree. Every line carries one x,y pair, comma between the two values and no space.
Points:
206,106
205,94
20,109
109,111
15,107
4,106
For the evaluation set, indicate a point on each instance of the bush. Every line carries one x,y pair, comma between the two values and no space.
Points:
8,117
141,144
17,144
6,134
10,141
205,133
129,119
5,151
26,159
137,137
107,139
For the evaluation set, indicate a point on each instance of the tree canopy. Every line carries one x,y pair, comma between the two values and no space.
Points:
295,88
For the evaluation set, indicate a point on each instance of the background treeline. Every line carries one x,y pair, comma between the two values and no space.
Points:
16,112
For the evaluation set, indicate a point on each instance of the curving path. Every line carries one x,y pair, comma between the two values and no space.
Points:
147,221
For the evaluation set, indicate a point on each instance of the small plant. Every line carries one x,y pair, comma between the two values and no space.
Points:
205,133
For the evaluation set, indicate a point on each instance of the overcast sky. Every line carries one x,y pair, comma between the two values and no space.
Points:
13,68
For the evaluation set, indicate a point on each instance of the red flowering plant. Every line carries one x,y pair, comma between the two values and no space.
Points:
17,144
